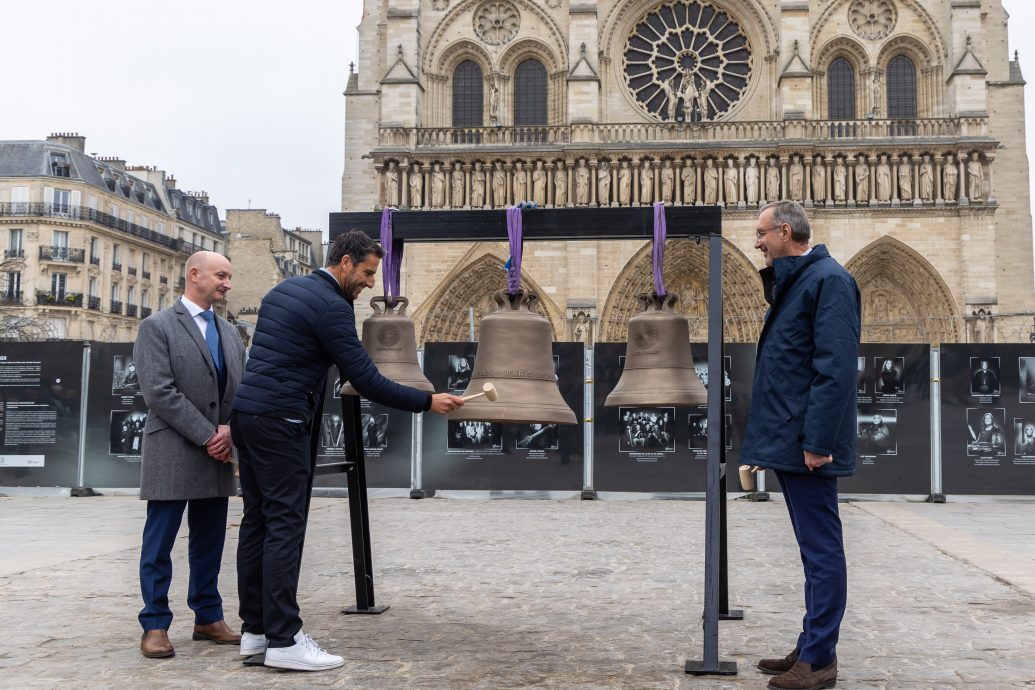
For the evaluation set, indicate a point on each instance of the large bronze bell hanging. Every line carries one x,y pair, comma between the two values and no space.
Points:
391,341
515,354
659,369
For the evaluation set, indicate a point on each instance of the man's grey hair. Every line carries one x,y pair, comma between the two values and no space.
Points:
792,213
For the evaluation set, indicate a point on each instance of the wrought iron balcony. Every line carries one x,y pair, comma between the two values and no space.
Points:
11,299
14,253
146,275
131,310
93,303
654,133
181,283
95,261
59,299
116,307
132,270
50,253
163,280
145,312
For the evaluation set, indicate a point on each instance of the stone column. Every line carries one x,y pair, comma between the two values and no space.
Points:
938,200
961,185
657,180
404,189
990,198
918,160
677,191
829,162
807,182
508,189
569,178
850,183
382,199
634,194
698,190
894,162
873,181
548,167
742,170
592,182
720,196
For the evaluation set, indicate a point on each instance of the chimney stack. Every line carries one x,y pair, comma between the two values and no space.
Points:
69,139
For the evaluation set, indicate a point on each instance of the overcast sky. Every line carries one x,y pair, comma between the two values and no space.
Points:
239,99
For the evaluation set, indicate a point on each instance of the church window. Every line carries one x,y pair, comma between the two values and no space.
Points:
841,90
530,93
467,94
901,89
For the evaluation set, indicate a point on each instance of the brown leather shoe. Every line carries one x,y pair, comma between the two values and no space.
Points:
155,644
775,667
218,632
802,677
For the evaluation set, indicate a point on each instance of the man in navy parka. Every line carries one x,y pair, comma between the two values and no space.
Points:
802,423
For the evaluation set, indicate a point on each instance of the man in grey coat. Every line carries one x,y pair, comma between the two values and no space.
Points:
189,363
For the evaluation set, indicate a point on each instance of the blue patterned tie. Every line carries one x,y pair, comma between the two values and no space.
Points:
212,339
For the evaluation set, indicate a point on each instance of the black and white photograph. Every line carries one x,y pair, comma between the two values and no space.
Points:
888,378
1026,376
536,436
984,376
647,429
861,376
877,432
374,431
1024,437
468,435
332,431
701,368
986,429
699,431
124,377
460,367
126,432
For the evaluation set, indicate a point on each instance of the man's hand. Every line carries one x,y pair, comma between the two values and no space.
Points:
444,403
220,445
814,460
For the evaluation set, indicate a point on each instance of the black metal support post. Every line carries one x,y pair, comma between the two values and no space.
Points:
709,664
725,614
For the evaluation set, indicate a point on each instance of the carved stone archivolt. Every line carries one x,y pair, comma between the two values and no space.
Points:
904,298
686,275
872,19
497,22
687,60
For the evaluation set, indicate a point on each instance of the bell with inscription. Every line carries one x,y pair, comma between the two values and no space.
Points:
391,341
659,369
515,354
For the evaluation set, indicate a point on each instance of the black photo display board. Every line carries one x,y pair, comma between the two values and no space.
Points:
988,419
40,397
115,418
893,422
502,457
663,449
387,440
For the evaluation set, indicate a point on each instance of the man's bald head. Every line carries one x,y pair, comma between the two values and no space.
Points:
208,278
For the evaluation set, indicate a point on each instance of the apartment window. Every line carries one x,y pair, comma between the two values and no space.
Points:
116,254
115,293
13,286
92,290
161,302
145,261
58,283
19,195
144,222
93,249
901,88
129,216
61,239
145,299
62,201
115,211
161,228
468,97
530,93
15,240
91,202
131,295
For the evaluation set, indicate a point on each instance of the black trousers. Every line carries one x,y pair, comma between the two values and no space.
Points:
276,464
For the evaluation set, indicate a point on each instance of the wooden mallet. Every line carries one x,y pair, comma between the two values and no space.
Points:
488,390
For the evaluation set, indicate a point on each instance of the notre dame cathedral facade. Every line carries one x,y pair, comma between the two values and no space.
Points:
899,124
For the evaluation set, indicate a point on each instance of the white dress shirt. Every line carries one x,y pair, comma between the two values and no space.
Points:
195,311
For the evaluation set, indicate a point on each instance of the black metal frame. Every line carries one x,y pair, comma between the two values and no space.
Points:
698,223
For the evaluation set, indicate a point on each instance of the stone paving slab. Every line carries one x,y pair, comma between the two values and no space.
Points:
536,594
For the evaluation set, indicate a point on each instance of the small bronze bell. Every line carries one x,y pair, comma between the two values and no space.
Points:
391,341
659,369
515,354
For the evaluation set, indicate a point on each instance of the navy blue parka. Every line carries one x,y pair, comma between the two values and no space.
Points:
804,393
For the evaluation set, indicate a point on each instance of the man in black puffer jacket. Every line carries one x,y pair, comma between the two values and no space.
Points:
306,324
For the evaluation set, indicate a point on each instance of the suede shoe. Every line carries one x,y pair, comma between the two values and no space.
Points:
155,644
775,667
218,632
802,677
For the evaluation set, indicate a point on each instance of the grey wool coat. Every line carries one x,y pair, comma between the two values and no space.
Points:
181,388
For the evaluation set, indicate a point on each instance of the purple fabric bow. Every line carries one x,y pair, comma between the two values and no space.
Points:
658,255
514,235
393,250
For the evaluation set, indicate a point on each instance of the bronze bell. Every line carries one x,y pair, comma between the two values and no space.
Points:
659,369
391,341
515,354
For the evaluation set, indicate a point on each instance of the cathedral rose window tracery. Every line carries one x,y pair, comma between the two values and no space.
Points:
497,22
687,60
872,19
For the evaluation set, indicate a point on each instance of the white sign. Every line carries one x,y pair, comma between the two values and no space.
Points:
21,460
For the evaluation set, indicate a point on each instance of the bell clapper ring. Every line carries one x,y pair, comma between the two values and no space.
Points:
488,390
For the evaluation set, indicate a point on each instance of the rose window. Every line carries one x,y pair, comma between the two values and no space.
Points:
687,60
496,22
872,19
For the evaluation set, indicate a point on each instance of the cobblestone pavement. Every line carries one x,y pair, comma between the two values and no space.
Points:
537,594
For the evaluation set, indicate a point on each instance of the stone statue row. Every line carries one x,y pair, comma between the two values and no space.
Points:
751,181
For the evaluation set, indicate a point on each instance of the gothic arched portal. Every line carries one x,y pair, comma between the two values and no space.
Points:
686,275
445,316
904,298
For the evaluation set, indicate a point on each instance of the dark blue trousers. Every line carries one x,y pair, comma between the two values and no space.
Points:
206,520
812,503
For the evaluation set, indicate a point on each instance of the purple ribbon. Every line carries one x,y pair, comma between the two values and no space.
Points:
658,255
393,250
514,235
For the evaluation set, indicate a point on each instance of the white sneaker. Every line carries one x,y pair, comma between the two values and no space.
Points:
304,655
252,644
